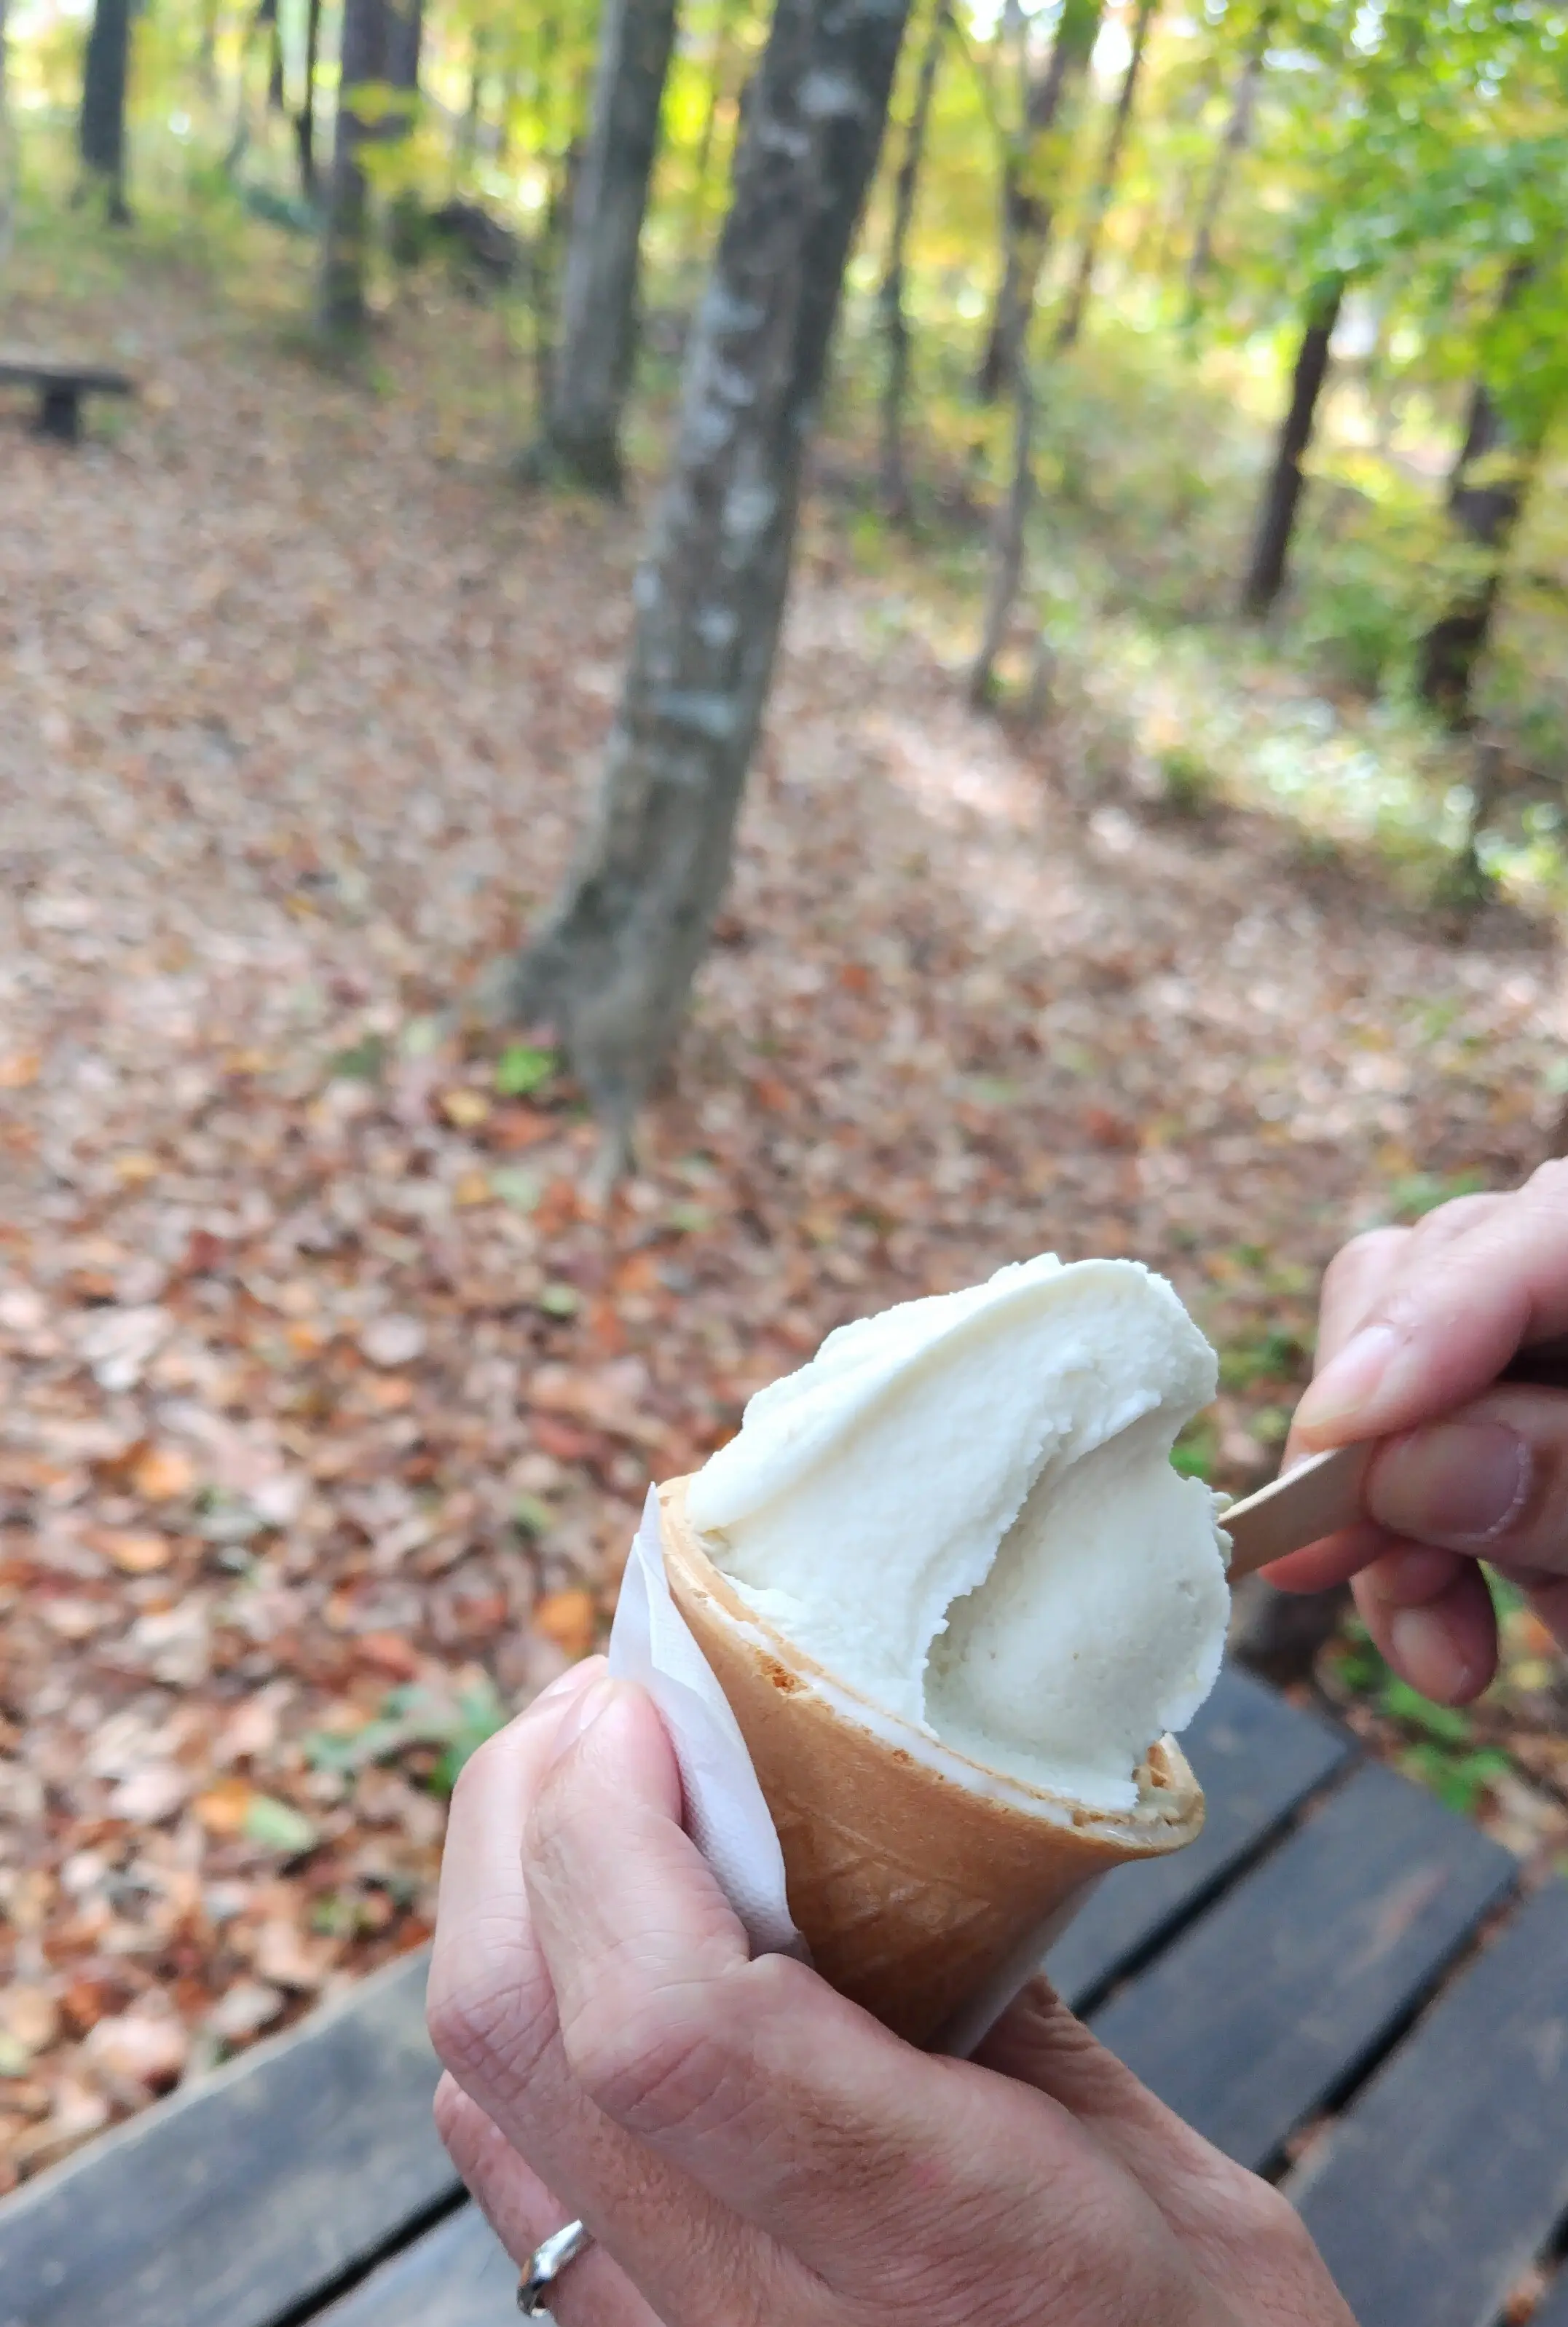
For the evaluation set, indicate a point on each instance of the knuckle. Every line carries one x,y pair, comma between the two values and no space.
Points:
655,2063
482,2011
1360,1253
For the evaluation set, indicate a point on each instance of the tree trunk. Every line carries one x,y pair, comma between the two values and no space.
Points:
380,45
305,118
207,50
1009,538
1029,180
363,61
405,33
598,336
1277,515
1486,512
101,124
268,15
1238,131
468,128
613,966
895,488
1105,183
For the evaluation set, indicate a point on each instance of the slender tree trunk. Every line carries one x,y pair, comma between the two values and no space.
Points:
1105,181
405,35
101,124
268,15
1276,518
598,333
1486,512
1234,142
305,118
613,966
207,50
1028,194
474,112
1009,538
363,61
895,487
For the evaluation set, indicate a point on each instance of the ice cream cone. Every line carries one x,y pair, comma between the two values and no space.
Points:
925,1885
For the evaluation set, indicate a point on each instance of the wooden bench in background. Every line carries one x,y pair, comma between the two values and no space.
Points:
61,386
1341,1984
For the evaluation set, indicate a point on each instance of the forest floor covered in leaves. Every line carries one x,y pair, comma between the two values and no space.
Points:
328,1404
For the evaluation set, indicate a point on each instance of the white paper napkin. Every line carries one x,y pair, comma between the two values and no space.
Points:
725,1814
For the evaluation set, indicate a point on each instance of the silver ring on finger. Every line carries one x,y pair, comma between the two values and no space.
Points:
546,2265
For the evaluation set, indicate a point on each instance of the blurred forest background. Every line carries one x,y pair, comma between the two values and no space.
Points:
1152,841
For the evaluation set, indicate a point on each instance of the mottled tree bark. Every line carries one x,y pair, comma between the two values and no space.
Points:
379,46
1276,518
614,963
101,124
597,342
895,488
1486,512
1072,314
1029,190
1237,133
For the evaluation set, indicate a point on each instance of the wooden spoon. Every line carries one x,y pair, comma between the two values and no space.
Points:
1323,1493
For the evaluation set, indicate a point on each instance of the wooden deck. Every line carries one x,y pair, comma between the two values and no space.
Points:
1340,1973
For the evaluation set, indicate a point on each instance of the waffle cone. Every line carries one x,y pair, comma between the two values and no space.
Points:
925,1885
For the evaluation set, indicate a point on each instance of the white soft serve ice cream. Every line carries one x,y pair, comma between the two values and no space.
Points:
965,1508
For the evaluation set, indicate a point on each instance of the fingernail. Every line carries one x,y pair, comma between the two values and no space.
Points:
1351,1378
580,1716
1424,1651
1458,1483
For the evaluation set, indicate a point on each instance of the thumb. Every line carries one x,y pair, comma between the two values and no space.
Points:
1492,1480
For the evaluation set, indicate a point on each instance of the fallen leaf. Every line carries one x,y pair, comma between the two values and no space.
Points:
394,1341
141,2048
570,1619
284,1957
133,1552
464,1108
161,1473
223,1808
244,2010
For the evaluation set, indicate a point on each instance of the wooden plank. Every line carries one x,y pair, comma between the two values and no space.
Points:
1261,2010
1258,1758
458,2275
237,2200
1449,2173
60,371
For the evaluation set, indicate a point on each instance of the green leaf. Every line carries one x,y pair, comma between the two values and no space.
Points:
520,1070
1444,1723
560,1301
519,1189
362,1063
533,1515
279,1825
